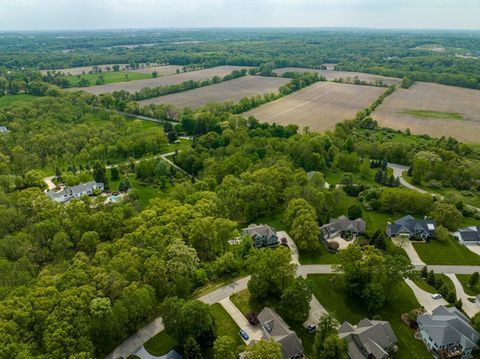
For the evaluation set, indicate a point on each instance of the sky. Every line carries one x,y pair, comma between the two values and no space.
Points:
122,14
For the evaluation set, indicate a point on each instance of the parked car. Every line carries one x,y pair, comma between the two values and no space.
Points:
252,318
436,296
311,328
243,334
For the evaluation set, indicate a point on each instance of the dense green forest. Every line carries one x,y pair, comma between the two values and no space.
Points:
75,280
392,53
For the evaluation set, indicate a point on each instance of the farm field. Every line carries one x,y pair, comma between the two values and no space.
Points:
234,90
331,74
319,106
162,70
82,69
109,77
436,110
133,86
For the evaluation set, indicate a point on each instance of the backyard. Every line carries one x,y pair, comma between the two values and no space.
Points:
343,307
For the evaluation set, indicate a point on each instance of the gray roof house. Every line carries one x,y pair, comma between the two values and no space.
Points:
343,225
274,327
77,191
262,235
372,339
469,235
412,228
447,333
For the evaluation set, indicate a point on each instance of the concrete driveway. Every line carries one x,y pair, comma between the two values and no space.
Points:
408,247
255,332
468,307
292,245
425,298
316,312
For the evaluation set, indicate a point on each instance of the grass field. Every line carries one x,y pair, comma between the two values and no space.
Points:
224,325
12,99
110,77
133,86
464,278
160,344
428,288
161,70
83,69
427,108
233,90
330,291
448,252
422,114
331,75
319,106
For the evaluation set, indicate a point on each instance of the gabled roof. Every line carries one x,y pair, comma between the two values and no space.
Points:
281,333
469,234
373,335
342,223
409,224
448,326
261,230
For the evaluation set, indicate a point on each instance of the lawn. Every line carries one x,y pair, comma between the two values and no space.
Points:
11,99
160,344
224,325
345,308
428,288
110,77
436,115
473,291
448,252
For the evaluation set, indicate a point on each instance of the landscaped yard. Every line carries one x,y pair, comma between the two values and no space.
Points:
160,344
420,282
473,291
330,291
446,252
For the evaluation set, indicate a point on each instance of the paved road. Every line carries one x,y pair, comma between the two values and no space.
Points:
468,307
425,298
164,157
146,118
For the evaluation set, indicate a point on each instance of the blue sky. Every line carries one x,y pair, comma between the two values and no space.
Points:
105,14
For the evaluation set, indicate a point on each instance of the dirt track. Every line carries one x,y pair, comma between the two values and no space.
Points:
133,86
331,75
229,90
319,106
433,97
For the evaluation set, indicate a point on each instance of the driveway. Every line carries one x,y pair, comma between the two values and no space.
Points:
406,245
316,312
142,353
397,173
468,307
474,248
292,245
255,332
425,298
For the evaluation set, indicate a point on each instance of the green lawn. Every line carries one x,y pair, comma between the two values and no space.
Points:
330,291
110,77
11,99
473,291
224,325
160,344
428,288
448,252
435,115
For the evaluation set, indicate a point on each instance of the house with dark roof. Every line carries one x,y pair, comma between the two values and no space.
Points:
469,235
77,191
262,235
447,333
369,339
275,328
413,229
343,226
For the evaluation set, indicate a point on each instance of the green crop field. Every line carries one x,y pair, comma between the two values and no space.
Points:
110,77
426,115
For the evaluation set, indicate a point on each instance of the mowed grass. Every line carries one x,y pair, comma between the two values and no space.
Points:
448,252
426,115
6,101
330,291
420,282
160,344
110,77
464,278
225,326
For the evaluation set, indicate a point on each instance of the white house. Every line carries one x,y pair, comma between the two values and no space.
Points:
77,191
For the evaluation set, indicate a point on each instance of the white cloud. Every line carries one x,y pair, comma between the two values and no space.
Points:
95,14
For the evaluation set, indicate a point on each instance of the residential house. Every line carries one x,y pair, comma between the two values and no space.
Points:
4,129
274,327
262,235
342,225
413,229
369,339
469,235
447,333
77,191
